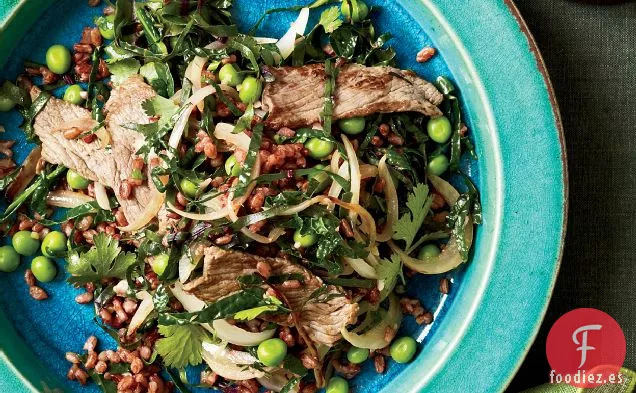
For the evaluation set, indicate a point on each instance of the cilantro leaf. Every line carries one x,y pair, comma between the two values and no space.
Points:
419,204
122,69
252,313
388,273
158,76
181,345
330,19
104,260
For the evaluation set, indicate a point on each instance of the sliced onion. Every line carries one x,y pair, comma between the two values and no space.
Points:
445,189
195,69
265,40
26,174
362,268
391,201
450,257
67,199
121,288
237,336
368,223
335,162
274,234
375,338
145,308
186,266
354,169
336,188
230,364
225,132
101,196
211,216
189,302
276,381
447,260
149,213
287,43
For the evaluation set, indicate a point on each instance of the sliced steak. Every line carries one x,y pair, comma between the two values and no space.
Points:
107,166
322,317
296,97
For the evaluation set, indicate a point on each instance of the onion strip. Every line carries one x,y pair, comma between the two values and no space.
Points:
225,132
450,257
101,197
230,364
237,336
209,216
391,201
362,268
375,338
145,308
67,199
149,213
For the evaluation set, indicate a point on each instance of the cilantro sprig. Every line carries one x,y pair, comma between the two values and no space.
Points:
419,204
105,260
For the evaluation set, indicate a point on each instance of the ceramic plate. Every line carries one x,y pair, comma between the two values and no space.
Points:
484,327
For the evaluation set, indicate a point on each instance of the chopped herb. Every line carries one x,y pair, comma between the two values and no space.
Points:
104,260
418,204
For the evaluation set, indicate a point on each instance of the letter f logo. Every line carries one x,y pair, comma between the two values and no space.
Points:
583,343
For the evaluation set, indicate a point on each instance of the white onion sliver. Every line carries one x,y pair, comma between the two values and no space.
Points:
145,308
391,201
223,363
67,199
101,197
354,169
237,336
375,338
150,212
189,302
446,190
210,216
276,381
287,43
224,131
265,40
362,268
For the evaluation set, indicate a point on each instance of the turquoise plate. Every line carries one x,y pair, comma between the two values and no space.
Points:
484,328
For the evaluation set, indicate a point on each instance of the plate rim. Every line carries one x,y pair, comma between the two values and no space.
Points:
22,5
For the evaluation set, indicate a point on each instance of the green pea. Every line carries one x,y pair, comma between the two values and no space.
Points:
439,129
357,355
231,167
272,352
58,59
26,243
250,90
160,263
319,148
43,269
54,242
76,181
6,104
9,259
403,349
73,94
306,240
106,26
438,165
189,188
337,385
229,75
359,8
352,126
428,251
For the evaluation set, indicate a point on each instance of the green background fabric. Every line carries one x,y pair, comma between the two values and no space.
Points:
590,51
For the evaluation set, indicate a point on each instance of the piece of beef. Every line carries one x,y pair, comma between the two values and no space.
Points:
322,317
296,97
107,166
